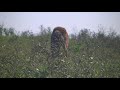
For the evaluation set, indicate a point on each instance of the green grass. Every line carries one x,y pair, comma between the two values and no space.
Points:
27,57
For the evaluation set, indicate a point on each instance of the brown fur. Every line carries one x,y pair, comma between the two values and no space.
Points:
64,33
65,39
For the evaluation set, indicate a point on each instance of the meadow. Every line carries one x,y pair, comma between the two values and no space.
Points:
90,55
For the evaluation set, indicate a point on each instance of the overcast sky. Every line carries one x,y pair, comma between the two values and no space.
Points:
72,21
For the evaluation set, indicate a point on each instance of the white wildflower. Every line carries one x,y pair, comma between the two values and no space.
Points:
37,69
68,76
3,46
60,53
91,57
102,63
29,71
39,44
77,64
63,60
28,59
91,62
83,55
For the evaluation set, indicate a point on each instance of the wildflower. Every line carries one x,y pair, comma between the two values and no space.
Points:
91,62
68,76
37,69
63,60
91,57
3,46
102,64
29,71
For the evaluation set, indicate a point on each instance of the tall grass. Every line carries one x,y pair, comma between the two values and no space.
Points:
90,55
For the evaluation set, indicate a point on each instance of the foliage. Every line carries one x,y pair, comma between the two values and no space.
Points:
91,55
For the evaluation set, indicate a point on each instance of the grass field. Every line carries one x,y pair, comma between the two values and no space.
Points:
90,55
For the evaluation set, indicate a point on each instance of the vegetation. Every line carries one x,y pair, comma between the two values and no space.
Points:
90,55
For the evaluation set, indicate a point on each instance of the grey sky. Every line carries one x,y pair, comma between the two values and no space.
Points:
72,21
